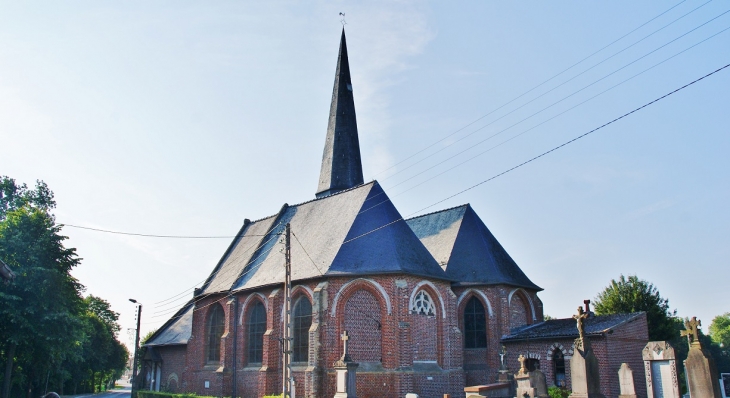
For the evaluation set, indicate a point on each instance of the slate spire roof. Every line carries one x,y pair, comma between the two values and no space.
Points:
341,164
465,248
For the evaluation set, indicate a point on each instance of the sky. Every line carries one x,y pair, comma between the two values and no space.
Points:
185,118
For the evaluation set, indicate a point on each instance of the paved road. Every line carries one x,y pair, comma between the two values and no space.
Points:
124,392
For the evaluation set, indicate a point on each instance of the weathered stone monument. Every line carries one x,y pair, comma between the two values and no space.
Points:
585,379
522,378
660,366
702,378
346,370
539,383
626,381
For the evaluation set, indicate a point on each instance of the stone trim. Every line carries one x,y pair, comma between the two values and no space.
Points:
347,286
433,289
467,293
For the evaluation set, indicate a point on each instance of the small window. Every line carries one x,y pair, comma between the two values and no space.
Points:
301,322
559,363
475,324
423,304
216,324
256,326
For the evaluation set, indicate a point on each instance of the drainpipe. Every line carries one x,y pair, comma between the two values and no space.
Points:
234,388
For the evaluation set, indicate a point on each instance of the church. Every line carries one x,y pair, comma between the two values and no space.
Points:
425,301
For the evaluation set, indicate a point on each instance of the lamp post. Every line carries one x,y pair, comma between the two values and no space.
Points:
136,347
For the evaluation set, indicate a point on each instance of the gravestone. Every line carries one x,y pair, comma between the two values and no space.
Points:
626,381
585,379
725,384
346,370
702,378
524,384
660,366
539,383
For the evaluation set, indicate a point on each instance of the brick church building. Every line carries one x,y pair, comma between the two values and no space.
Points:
426,301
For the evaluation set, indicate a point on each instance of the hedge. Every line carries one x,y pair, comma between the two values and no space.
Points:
156,394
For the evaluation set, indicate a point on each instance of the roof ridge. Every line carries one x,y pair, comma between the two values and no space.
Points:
316,199
438,211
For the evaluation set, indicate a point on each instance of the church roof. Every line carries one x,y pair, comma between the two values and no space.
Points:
341,163
354,232
466,249
566,328
176,330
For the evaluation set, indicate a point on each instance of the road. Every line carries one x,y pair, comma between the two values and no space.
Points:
124,392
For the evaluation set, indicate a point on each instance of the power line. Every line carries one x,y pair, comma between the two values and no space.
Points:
490,178
550,106
152,235
569,80
543,154
537,86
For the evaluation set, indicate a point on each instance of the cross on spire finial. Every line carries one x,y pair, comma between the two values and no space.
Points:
342,20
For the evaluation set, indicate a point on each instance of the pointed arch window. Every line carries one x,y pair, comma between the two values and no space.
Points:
559,363
475,324
301,322
215,326
256,326
423,304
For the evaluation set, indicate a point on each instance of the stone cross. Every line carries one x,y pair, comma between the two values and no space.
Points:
345,337
522,360
579,318
691,332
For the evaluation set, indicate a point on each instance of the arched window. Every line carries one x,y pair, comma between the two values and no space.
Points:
301,321
256,326
423,304
216,324
475,324
559,363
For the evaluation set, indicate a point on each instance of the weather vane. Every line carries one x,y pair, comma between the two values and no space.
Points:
342,14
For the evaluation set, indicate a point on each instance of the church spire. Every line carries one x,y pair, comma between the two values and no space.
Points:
341,165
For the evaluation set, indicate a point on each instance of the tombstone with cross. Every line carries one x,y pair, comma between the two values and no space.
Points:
346,371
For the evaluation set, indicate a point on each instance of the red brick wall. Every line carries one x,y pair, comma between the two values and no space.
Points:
363,324
625,345
173,367
387,354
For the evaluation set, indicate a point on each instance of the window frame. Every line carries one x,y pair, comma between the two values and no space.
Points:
300,330
472,329
213,344
255,331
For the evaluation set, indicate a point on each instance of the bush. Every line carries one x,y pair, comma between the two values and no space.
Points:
557,392
157,394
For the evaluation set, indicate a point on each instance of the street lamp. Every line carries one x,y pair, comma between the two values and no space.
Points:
136,346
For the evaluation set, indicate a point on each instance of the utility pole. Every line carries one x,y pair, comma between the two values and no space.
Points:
136,348
287,316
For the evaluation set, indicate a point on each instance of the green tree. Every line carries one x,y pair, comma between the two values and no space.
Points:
38,311
632,294
720,336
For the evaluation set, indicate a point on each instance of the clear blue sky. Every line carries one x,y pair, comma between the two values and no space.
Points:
187,117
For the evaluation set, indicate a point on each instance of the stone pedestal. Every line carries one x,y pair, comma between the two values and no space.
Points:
496,390
626,381
524,386
346,386
585,379
702,378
